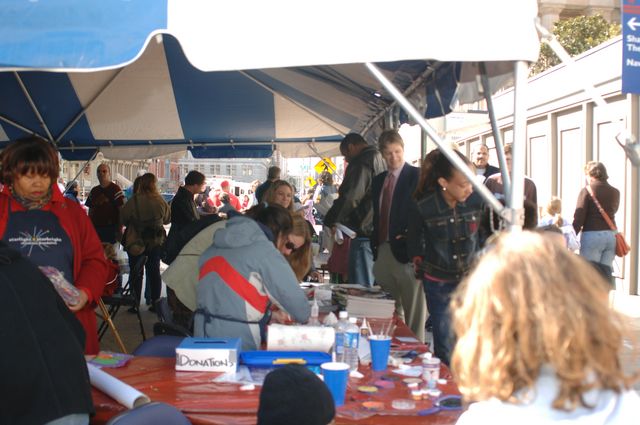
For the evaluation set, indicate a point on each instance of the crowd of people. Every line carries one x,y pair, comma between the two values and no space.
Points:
423,234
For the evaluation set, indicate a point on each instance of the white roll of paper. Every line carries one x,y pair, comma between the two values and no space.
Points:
300,338
115,388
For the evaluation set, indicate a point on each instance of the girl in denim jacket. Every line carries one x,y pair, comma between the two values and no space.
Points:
444,233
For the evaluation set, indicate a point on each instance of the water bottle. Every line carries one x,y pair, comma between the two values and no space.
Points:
338,346
351,338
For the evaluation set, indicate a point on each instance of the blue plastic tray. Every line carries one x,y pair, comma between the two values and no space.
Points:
281,358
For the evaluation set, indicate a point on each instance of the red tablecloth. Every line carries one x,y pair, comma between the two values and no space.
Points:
207,402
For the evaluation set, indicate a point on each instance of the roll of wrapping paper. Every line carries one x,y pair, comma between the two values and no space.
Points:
300,338
116,389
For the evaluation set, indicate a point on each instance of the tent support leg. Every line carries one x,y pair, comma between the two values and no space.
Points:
33,106
444,147
21,128
81,169
515,201
486,88
587,85
408,92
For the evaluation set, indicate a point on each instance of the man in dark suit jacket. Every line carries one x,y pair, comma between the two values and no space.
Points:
391,192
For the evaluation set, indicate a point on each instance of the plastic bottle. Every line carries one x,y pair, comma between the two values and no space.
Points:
338,346
430,370
351,339
313,318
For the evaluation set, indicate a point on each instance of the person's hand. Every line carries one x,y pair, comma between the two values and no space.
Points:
209,209
83,301
315,275
281,316
417,261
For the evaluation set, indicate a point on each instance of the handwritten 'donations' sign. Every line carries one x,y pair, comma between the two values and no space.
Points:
208,354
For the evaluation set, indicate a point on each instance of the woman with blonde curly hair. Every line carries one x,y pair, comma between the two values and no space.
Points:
537,341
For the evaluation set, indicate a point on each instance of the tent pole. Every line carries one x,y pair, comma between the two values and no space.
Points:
444,147
515,201
85,109
81,170
22,128
413,87
486,88
312,112
33,106
313,149
583,79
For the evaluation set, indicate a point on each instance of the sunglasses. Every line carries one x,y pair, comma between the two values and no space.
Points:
290,246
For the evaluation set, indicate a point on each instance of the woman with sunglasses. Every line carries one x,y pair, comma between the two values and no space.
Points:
297,249
243,273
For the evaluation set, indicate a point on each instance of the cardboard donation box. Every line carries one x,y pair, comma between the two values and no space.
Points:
208,354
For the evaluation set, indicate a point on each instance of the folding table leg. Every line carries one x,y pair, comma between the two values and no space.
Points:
107,318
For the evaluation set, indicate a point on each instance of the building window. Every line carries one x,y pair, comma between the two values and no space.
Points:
229,169
247,170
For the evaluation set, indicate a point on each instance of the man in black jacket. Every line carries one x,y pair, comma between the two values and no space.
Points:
480,159
43,373
183,206
354,207
392,193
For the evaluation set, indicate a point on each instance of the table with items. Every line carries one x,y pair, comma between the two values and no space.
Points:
401,394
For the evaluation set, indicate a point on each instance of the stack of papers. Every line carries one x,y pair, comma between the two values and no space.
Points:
368,302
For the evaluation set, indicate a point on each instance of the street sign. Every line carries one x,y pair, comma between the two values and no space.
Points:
631,46
325,164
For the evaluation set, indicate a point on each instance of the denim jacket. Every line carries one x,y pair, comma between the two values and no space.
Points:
446,238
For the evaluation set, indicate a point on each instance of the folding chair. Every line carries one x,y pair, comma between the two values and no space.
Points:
106,318
159,346
125,298
166,325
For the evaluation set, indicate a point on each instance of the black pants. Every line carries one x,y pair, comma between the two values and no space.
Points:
152,273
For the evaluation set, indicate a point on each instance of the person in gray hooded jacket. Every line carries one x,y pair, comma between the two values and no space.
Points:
241,275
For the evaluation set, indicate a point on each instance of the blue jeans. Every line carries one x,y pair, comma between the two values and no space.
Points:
598,246
360,262
438,296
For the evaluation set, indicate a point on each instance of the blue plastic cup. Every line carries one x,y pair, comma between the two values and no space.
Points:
336,376
380,347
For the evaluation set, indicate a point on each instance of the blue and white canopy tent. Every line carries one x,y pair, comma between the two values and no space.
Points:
140,78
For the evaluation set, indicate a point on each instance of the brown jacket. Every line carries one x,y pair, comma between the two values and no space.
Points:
587,217
151,213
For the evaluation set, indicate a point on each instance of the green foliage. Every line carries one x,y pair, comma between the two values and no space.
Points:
576,35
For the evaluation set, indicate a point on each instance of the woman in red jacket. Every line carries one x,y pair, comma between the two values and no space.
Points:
49,229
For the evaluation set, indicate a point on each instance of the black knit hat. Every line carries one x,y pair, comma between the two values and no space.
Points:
293,395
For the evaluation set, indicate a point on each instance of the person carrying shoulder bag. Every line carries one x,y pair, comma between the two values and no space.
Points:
594,217
146,213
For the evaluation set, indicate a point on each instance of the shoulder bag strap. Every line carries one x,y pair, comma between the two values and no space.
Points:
602,211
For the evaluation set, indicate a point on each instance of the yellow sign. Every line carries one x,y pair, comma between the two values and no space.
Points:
325,164
310,181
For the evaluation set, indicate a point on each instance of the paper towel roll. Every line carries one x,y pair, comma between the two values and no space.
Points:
300,338
116,389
